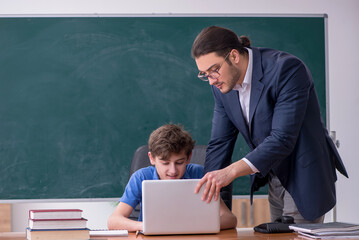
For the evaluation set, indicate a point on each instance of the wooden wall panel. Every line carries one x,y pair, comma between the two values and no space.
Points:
5,217
250,216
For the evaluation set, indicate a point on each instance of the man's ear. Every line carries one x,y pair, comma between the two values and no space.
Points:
235,56
152,159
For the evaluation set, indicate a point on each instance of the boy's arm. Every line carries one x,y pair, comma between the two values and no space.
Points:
119,219
227,218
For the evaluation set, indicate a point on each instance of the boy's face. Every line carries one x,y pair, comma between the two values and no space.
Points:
172,168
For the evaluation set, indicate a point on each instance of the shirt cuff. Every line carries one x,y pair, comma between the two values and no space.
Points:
254,169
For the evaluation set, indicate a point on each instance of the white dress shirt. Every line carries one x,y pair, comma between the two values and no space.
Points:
244,94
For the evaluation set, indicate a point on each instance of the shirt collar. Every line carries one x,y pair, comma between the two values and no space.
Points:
156,177
248,77
186,175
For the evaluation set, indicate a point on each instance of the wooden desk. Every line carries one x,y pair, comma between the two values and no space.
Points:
232,234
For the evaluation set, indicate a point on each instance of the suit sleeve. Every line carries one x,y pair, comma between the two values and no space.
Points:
223,139
293,86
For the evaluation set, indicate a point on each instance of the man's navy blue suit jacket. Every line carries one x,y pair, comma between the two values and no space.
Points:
285,133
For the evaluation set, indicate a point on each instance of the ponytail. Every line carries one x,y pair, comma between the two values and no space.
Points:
244,41
219,40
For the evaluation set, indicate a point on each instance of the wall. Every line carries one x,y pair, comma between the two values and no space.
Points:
343,51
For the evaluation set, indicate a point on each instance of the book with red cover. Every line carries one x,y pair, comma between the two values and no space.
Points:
55,214
57,223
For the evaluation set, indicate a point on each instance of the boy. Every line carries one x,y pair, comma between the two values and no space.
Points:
170,150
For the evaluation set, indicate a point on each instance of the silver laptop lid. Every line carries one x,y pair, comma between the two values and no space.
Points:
172,207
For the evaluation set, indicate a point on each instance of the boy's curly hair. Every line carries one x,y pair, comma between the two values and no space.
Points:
170,138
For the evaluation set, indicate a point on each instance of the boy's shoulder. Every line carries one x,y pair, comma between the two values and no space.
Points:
194,170
194,166
146,173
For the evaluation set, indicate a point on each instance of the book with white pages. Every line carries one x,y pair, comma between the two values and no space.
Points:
56,234
352,234
325,228
57,223
55,213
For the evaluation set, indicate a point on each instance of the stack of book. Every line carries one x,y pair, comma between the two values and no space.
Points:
327,230
55,224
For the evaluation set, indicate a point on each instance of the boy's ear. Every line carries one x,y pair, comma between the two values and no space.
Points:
152,160
189,158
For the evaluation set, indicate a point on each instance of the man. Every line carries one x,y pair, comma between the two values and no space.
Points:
269,97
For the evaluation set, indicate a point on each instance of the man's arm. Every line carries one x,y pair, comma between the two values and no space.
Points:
119,219
223,138
293,87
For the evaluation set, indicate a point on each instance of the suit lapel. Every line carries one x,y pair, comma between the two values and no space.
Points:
256,85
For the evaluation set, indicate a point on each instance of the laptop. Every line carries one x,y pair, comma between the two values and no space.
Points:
172,207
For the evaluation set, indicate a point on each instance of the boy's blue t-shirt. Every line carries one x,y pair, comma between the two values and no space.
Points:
133,191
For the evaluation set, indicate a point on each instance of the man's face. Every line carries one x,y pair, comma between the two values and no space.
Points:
173,167
228,75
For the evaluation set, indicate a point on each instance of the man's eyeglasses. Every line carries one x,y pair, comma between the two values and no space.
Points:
214,74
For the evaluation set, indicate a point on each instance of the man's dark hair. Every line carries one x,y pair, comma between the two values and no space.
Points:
219,40
170,138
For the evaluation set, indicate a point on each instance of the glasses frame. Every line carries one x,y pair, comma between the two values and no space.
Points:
206,77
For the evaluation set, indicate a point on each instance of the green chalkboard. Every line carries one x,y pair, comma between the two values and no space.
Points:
78,95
